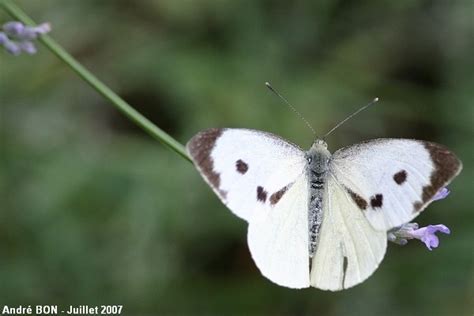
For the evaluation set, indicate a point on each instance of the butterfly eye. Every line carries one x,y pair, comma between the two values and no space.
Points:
309,159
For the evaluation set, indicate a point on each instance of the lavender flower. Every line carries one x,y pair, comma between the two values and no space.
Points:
399,235
402,234
428,235
441,194
3,38
12,48
27,47
13,28
21,32
17,38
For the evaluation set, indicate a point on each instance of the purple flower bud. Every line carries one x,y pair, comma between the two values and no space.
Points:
17,37
394,238
12,48
441,194
27,35
3,38
43,28
22,32
400,235
27,47
13,28
32,32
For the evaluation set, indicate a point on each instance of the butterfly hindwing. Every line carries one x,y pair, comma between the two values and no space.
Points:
349,249
237,164
278,237
393,180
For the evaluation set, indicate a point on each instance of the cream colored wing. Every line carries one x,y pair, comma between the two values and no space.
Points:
349,249
393,180
239,163
278,235
261,178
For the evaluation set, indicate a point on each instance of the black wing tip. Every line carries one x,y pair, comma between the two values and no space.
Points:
443,157
199,149
203,142
446,167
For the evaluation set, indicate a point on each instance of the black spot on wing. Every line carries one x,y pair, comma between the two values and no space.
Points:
376,201
275,197
261,194
400,177
417,206
241,166
360,201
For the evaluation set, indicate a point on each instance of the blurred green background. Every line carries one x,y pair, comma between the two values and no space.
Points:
94,211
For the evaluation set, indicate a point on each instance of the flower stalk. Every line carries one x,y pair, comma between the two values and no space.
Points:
157,133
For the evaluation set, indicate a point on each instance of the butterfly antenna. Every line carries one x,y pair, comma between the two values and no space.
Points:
269,86
351,116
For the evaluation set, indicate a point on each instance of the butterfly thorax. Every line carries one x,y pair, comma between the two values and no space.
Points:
318,163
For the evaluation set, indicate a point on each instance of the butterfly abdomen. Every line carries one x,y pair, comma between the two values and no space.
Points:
317,179
318,164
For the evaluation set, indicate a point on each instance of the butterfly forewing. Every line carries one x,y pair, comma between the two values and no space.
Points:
393,180
237,164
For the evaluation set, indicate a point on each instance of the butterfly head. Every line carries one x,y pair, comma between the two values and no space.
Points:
320,143
318,156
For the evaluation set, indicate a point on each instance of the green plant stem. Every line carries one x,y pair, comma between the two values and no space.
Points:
95,83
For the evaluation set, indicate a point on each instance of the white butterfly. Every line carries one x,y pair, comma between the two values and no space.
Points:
315,219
